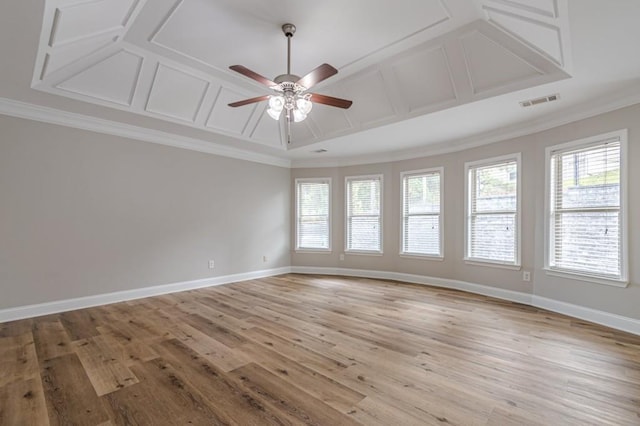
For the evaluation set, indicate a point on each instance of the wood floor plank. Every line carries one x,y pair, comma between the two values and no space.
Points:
16,328
298,352
71,400
51,339
213,351
378,411
329,391
101,362
130,330
22,403
510,417
440,401
18,359
232,402
131,352
311,349
212,328
161,397
80,324
223,307
288,400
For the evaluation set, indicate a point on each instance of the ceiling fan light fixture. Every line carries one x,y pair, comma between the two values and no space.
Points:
304,104
298,115
275,114
276,103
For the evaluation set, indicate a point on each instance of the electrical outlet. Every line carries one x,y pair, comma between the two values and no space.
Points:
342,256
526,276
212,264
264,258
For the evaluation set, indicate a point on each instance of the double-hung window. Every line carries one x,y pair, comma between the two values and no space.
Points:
364,217
586,218
421,232
313,224
492,225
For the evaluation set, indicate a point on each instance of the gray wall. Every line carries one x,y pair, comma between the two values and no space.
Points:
84,214
623,301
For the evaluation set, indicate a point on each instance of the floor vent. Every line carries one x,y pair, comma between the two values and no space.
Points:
538,101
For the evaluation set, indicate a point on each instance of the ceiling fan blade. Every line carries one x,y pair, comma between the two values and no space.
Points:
249,101
330,100
253,75
319,74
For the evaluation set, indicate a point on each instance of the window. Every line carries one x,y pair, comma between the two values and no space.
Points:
493,211
312,214
586,221
364,221
422,213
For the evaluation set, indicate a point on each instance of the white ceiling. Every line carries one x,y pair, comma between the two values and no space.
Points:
425,76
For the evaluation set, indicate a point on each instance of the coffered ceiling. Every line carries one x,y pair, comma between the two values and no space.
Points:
424,75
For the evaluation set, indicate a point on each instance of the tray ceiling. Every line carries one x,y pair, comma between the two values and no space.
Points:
168,59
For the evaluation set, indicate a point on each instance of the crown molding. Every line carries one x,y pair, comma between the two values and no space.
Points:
79,121
64,118
557,119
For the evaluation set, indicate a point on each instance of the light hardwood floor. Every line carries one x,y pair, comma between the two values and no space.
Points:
300,349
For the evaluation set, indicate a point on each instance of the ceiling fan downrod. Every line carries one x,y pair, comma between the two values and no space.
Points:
289,30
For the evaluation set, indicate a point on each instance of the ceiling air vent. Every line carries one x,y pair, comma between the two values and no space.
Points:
538,101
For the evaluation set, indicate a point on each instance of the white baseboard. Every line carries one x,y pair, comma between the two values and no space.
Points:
514,296
30,311
618,322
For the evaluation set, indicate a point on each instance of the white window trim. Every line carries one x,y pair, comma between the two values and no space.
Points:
517,265
407,254
312,180
346,214
622,135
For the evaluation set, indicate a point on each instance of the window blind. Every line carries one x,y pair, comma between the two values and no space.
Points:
421,213
364,225
585,231
313,214
492,219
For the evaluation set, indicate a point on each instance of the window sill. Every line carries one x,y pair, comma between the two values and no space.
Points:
476,262
422,256
363,253
584,277
313,251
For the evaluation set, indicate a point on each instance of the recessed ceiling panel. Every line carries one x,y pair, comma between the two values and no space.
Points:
176,94
195,28
541,7
113,79
329,120
371,103
89,18
424,79
267,130
491,66
68,54
227,119
302,131
542,36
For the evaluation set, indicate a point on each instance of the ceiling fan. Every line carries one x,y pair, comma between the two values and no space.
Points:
291,94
